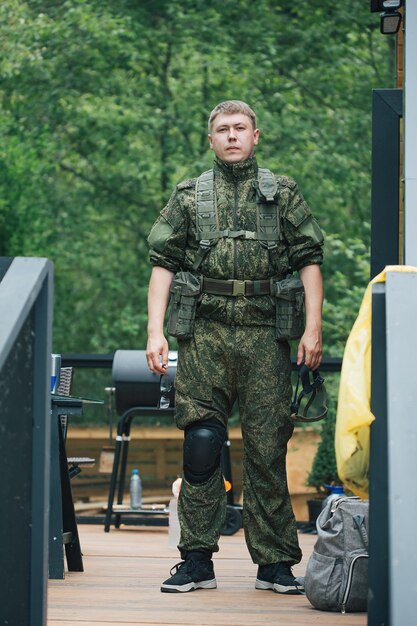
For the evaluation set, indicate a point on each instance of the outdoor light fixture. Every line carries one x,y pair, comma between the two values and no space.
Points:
385,5
390,17
390,22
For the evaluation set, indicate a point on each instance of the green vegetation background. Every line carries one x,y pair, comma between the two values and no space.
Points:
103,108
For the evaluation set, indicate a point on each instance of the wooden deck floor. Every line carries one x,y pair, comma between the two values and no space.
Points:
124,569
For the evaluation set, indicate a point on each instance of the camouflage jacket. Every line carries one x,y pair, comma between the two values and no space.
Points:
173,242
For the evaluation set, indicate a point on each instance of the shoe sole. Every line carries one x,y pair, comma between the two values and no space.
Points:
289,590
204,584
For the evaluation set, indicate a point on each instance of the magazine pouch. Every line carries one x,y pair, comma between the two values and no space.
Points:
289,303
185,290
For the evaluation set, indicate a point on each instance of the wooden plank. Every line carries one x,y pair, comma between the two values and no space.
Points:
124,569
160,462
150,453
160,459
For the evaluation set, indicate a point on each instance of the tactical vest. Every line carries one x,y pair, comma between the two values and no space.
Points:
187,287
207,219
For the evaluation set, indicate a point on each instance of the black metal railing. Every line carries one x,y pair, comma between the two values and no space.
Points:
26,286
105,361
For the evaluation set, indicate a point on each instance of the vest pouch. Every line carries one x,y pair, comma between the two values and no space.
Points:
289,305
185,290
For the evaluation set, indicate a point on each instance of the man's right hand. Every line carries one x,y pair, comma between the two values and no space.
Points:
158,296
157,353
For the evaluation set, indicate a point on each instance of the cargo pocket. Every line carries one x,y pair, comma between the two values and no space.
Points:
322,581
193,401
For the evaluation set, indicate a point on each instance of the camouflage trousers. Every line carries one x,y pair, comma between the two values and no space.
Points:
216,367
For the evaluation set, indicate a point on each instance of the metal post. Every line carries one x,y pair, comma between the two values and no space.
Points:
378,581
386,115
410,134
41,435
401,315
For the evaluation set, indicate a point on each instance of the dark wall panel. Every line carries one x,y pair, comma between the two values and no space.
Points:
16,405
386,115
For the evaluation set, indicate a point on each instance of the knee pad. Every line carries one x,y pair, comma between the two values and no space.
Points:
202,448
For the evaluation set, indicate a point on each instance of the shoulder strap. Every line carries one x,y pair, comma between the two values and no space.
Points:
207,219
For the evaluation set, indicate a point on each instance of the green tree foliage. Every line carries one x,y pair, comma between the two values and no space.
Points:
324,471
103,108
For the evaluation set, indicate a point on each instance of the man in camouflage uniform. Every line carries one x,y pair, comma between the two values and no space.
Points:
233,353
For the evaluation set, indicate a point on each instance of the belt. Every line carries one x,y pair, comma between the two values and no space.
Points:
237,287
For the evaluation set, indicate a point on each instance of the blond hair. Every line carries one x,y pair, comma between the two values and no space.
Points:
229,107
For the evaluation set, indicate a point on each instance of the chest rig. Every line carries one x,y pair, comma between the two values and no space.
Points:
187,287
207,218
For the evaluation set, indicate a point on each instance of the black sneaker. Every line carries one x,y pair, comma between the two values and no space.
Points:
279,578
193,573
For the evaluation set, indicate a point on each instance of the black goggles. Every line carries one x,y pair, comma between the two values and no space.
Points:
310,404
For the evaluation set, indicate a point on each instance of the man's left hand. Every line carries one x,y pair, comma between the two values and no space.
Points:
310,348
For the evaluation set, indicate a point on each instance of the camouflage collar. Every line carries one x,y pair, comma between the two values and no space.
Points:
237,171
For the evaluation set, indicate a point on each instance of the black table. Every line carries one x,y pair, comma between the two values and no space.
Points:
62,521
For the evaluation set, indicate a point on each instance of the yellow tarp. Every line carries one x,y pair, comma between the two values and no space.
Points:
354,415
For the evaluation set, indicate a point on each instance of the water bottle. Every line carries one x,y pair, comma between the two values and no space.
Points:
336,491
55,371
135,491
174,530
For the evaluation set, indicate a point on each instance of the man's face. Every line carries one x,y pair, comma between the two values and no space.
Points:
233,137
